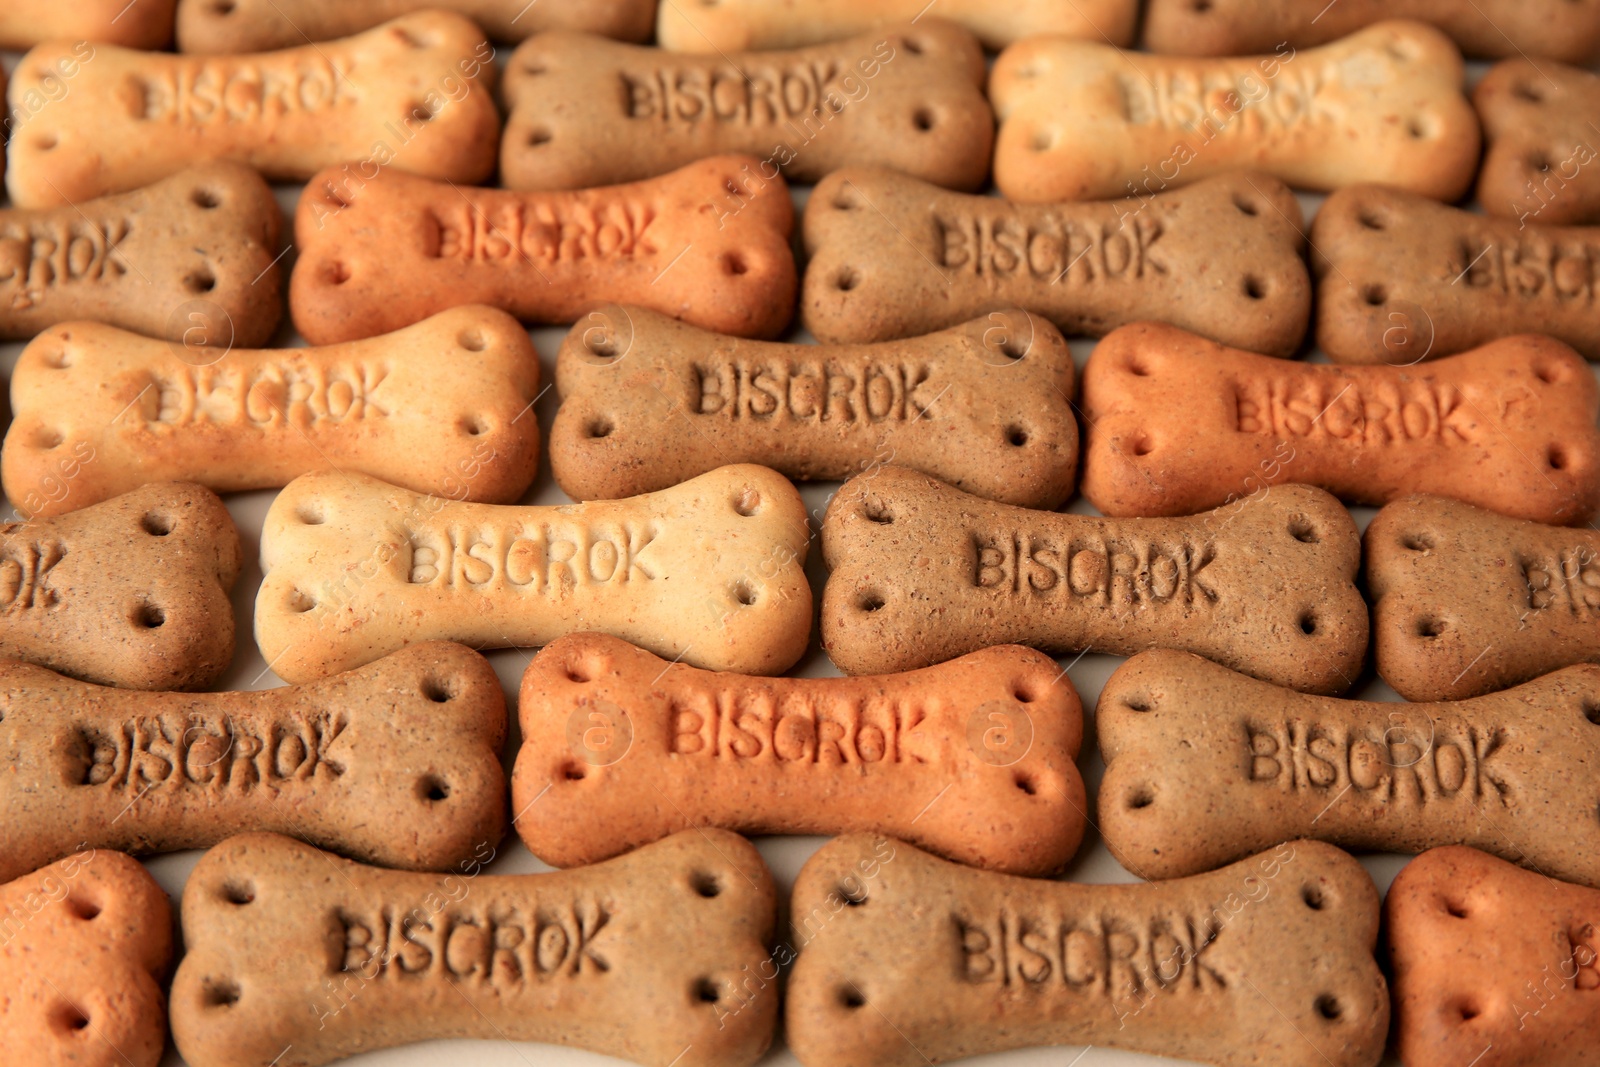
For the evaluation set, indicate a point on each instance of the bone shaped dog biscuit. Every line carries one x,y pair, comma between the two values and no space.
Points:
395,763
444,406
1267,963
160,619
1204,766
649,957
923,573
1081,120
405,95
1539,142
710,571
191,259
587,111
648,402
87,944
1221,258
1401,278
608,730
708,243
1177,423
25,23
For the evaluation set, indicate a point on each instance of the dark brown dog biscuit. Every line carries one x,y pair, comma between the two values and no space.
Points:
648,402
907,960
1402,279
923,572
1542,142
894,257
130,592
651,957
1177,424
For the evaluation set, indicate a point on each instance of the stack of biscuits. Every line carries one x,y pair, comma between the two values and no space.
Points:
1088,329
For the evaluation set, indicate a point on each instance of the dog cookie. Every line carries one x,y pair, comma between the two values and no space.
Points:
132,23
1401,279
708,243
1205,766
404,96
223,26
707,26
1221,258
1177,424
1493,962
1563,29
1537,124
445,406
648,402
586,111
1469,602
396,763
906,960
655,957
131,592
87,943
710,572
1080,120
610,731
190,259
923,573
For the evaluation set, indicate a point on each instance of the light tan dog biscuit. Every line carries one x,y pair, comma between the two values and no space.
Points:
648,402
1467,602
710,572
192,259
395,763
650,957
408,95
1177,424
610,731
222,26
1564,29
893,257
130,592
1080,120
923,572
1401,278
144,24
87,944
1205,766
708,243
444,406
586,111
1539,162
1267,963
1492,962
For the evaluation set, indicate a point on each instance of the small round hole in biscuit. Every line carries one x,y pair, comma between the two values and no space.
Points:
1375,295
913,46
853,895
1557,458
747,502
539,135
237,892
44,438
534,67
46,142
420,112
1429,627
847,279
223,7
1138,702
706,991
1418,128
1417,542
310,513
923,119
82,909
67,1019
1140,798
472,340
734,264
851,997
1328,1007
220,992
1468,1011
1025,783
1458,911
155,524
1529,92
335,272
876,511
1591,709
299,602
1549,373
438,690
433,789
1141,445
1043,140
1539,161
205,199
1021,694
474,425
870,602
406,37
149,617
843,200
1016,436
1200,7
1308,622
705,884
1370,219
1254,287
744,593
573,772
598,427
1312,896
1245,205
1302,530
1137,368
200,281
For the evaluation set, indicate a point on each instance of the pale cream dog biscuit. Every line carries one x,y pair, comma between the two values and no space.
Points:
708,243
1401,278
648,402
1563,29
1177,424
395,763
412,94
131,23
1542,147
86,947
620,748
744,25
1080,120
907,960
261,25
423,407
652,957
923,573
586,111
131,592
1205,766
710,572
893,257
192,258
1466,601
